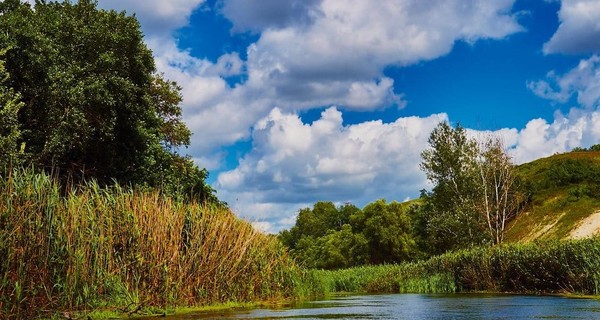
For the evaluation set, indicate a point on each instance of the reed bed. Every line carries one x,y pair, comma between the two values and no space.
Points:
116,248
540,267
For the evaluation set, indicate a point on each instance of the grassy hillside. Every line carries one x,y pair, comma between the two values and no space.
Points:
564,191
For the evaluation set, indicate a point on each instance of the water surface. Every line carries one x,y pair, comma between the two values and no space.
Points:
430,307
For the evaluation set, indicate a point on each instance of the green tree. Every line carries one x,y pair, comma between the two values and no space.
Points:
476,190
10,132
322,237
317,222
387,228
94,106
595,148
343,249
450,163
502,199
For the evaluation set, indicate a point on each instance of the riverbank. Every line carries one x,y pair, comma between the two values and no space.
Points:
551,267
108,252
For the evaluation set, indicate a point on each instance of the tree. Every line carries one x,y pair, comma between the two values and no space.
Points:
344,249
94,106
388,231
10,132
450,163
317,222
501,197
476,189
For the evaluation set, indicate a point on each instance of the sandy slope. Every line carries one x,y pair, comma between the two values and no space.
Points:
587,227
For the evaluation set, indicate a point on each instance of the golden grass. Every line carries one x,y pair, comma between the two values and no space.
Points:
96,248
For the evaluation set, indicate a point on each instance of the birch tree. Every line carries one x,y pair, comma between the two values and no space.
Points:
450,163
501,200
475,193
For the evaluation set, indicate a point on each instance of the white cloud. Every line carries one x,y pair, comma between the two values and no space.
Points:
582,81
580,127
258,15
541,139
158,18
336,57
349,43
579,29
309,54
293,162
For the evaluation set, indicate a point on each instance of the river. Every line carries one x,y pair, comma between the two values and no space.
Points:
424,306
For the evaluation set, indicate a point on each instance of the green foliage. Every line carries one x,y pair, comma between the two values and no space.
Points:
450,163
10,132
539,267
476,191
563,189
327,237
594,148
93,104
388,229
322,237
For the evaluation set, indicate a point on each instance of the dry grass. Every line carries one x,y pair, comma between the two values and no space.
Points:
96,248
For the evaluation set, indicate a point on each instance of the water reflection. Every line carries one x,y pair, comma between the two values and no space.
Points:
429,307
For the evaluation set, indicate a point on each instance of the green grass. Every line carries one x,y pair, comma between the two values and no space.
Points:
564,188
124,251
539,267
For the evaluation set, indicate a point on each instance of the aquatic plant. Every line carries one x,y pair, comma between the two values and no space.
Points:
571,266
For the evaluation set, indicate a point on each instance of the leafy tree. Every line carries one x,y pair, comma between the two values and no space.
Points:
10,132
330,238
388,230
335,250
501,196
317,222
476,190
94,106
344,249
450,163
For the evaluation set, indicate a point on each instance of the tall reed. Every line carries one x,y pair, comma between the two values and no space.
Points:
540,267
112,247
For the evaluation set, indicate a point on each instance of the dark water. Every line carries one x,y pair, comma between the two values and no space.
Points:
430,307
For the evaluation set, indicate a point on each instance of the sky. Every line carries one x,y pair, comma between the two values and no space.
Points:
296,101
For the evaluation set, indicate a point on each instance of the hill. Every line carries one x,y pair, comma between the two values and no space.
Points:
564,194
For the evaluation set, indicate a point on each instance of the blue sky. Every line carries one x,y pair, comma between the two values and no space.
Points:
297,101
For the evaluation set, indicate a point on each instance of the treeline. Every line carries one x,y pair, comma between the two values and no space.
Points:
594,148
331,237
476,193
80,98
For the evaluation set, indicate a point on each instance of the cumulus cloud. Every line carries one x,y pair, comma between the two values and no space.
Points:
158,18
258,15
582,81
579,29
294,162
310,54
540,138
347,46
580,127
